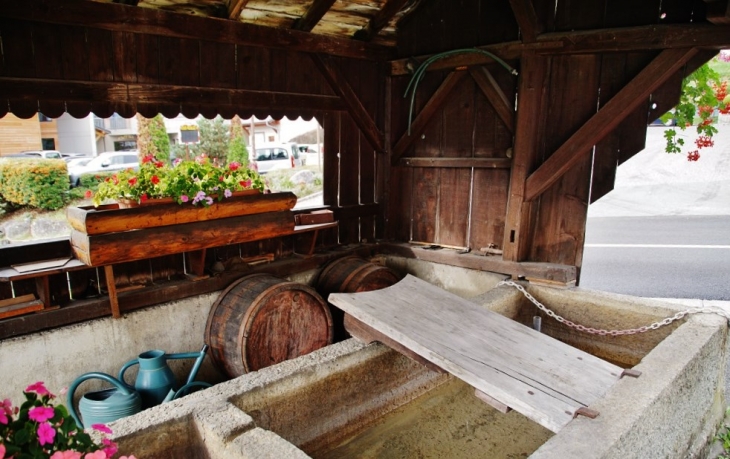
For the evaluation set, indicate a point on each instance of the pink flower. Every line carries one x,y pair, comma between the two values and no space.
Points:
100,454
38,388
227,193
7,406
41,413
110,448
46,434
127,457
101,428
2,451
66,455
3,420
184,198
234,165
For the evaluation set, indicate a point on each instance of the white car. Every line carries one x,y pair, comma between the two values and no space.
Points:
276,157
105,162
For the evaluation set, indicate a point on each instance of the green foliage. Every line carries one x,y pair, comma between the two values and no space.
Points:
152,137
723,436
92,180
197,181
237,151
213,140
39,183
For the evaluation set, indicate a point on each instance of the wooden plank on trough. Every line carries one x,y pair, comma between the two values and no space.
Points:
103,249
544,379
110,219
21,305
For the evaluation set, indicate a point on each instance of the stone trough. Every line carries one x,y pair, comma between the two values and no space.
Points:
355,400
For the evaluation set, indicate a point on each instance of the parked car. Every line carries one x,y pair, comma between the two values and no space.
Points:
276,157
105,162
47,154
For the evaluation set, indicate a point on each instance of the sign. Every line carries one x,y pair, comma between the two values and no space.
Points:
189,133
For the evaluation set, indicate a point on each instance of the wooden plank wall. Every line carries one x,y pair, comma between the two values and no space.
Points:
87,55
18,134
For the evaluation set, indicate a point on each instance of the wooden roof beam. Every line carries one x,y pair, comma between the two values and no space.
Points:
109,16
606,119
235,7
642,38
527,19
342,88
380,20
313,15
718,11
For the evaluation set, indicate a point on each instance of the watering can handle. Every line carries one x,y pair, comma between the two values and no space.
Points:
124,368
123,388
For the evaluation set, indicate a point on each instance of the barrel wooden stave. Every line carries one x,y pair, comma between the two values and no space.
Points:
261,320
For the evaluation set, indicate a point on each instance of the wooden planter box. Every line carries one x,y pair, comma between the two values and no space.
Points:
108,234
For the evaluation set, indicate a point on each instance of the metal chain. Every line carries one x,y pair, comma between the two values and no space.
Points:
630,331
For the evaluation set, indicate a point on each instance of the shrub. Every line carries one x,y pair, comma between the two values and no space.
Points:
39,183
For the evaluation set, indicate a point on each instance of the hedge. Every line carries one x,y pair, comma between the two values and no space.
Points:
40,183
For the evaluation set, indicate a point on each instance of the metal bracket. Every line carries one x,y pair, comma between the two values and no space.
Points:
587,412
630,372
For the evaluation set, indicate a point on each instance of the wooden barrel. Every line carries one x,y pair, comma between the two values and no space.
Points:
261,320
351,275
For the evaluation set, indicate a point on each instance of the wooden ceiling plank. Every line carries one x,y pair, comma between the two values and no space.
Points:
718,11
421,121
109,16
495,95
527,19
380,19
606,119
235,7
314,14
342,88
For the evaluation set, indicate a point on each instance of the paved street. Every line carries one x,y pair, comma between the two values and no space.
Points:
665,230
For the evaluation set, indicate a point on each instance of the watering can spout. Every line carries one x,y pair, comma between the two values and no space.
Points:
172,394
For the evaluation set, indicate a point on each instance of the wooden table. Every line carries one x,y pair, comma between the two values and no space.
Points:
509,364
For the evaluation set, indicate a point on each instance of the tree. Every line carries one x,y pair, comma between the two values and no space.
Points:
152,137
213,140
237,150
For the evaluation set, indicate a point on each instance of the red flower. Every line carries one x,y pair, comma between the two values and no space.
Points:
115,179
245,183
147,159
234,166
220,179
693,156
88,194
133,181
155,179
143,198
159,164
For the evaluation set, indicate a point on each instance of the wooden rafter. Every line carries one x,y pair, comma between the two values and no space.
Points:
380,20
235,7
342,88
108,16
606,119
495,95
527,19
127,2
643,38
313,15
421,121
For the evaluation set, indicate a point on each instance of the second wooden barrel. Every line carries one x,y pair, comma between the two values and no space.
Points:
351,275
261,320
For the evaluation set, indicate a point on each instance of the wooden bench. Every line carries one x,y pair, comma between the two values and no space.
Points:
510,365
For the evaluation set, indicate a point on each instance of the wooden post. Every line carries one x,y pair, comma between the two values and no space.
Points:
531,92
111,287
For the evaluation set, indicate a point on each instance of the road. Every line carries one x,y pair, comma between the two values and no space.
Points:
664,231
659,256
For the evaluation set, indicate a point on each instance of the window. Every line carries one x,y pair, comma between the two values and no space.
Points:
48,144
280,154
125,145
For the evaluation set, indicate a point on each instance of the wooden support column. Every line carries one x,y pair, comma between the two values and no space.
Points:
531,93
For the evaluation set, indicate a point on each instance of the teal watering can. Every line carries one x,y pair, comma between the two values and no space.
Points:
155,384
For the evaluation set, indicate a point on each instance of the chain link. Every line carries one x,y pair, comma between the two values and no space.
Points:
631,331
